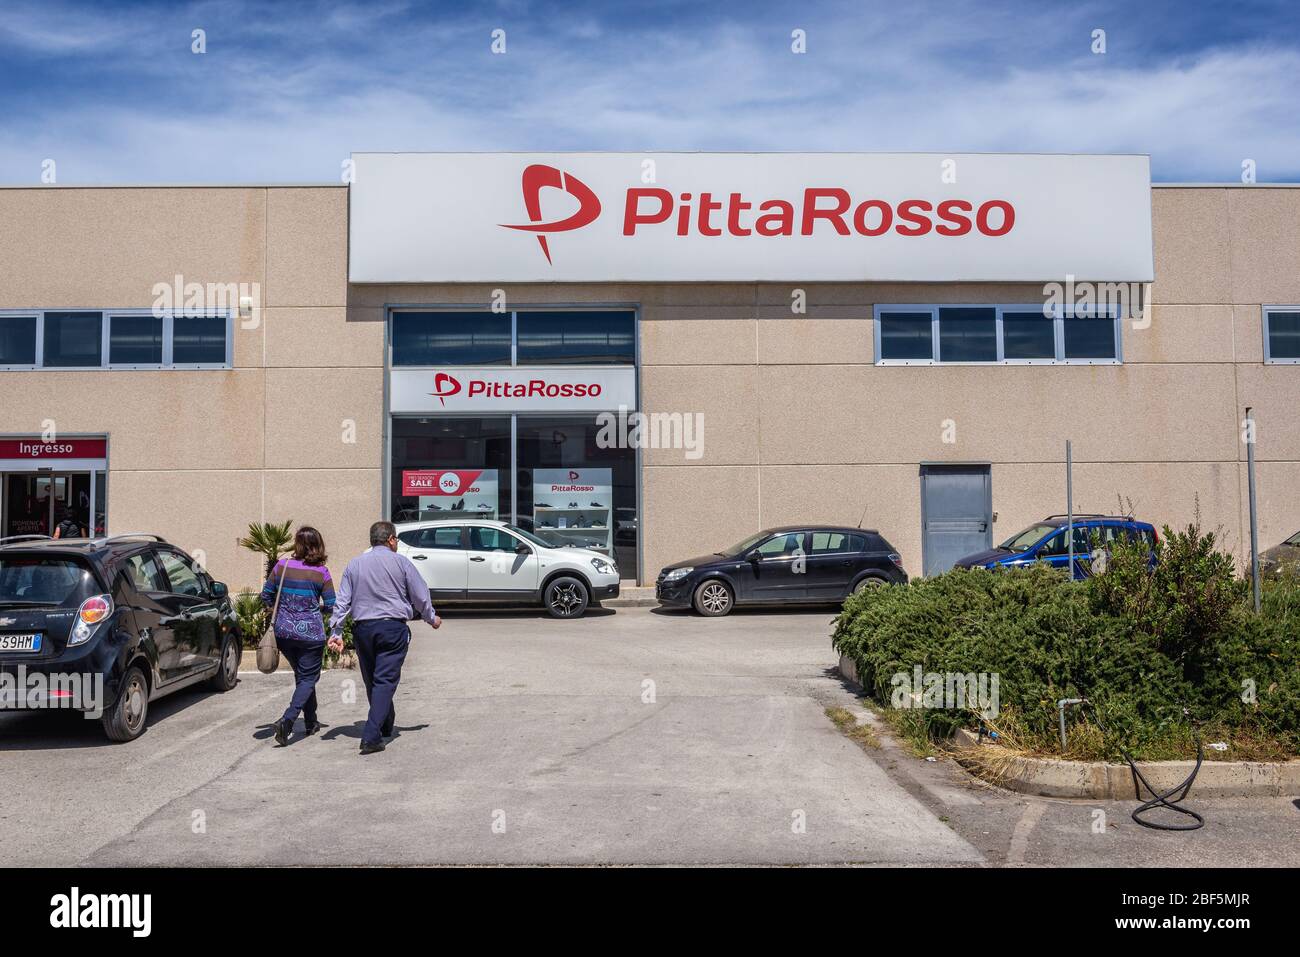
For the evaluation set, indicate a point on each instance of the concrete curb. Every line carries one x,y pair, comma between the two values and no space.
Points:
632,596
1051,777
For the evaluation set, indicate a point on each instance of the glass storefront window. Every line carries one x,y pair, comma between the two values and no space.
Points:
543,473
451,338
571,491
576,338
446,467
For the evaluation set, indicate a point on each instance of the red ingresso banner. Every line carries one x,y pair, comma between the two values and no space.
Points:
38,448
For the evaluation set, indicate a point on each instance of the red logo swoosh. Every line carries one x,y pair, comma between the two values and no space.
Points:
537,176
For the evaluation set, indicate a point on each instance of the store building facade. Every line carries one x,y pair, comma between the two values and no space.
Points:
650,354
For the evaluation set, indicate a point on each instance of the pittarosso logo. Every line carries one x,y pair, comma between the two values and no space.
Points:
445,385
735,214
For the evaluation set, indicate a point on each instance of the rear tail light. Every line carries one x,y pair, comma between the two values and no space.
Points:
896,559
93,611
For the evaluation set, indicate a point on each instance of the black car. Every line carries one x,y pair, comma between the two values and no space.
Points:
125,619
803,564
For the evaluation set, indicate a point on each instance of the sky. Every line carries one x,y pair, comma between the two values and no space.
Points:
114,92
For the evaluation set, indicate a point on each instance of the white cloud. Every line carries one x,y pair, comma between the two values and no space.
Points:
929,78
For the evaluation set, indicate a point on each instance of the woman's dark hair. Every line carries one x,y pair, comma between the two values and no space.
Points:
69,515
309,547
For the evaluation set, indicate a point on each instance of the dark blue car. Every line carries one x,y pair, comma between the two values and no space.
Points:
1046,541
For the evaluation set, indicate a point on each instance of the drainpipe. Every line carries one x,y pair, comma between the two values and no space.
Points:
1254,515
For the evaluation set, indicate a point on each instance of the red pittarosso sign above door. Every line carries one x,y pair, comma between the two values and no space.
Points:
37,448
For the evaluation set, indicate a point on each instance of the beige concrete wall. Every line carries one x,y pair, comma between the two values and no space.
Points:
294,430
800,425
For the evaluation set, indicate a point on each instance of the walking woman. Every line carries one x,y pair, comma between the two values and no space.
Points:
305,588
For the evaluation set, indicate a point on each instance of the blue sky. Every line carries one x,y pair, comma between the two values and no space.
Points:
286,90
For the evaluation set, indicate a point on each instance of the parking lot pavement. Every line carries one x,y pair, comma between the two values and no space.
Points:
635,736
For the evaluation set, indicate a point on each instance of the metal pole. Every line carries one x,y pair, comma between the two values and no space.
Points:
1254,514
1069,503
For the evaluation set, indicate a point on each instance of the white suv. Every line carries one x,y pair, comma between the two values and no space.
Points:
484,561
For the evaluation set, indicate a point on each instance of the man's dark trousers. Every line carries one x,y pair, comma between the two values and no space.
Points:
381,645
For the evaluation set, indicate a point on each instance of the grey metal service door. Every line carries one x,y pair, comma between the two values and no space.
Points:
956,514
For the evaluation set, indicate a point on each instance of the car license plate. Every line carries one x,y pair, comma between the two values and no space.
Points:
31,642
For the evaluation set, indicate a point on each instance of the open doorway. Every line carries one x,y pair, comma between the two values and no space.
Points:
37,503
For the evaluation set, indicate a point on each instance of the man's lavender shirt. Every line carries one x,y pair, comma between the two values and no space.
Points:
379,583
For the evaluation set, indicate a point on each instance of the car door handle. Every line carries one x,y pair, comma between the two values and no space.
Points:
477,558
418,558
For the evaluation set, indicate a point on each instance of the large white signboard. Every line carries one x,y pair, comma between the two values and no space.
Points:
797,217
512,389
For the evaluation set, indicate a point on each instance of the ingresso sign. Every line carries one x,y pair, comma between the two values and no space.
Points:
796,217
502,389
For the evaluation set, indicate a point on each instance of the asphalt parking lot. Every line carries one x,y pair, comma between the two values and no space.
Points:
630,736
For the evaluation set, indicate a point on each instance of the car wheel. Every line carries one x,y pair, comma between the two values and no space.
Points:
125,720
868,582
227,675
566,598
713,598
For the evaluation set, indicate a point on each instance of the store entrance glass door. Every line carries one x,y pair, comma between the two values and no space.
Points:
36,503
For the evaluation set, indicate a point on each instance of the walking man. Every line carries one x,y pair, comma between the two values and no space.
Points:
382,591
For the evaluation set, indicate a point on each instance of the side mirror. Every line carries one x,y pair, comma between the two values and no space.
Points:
522,549
752,556
219,590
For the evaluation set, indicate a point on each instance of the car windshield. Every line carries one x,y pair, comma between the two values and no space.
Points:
56,581
531,537
1293,540
1024,541
741,547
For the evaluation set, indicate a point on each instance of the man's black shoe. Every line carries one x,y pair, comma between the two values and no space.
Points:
282,731
312,728
367,748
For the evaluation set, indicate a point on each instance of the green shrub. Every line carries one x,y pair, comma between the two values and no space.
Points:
252,615
1150,646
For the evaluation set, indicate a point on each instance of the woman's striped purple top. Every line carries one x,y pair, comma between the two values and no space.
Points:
307,589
